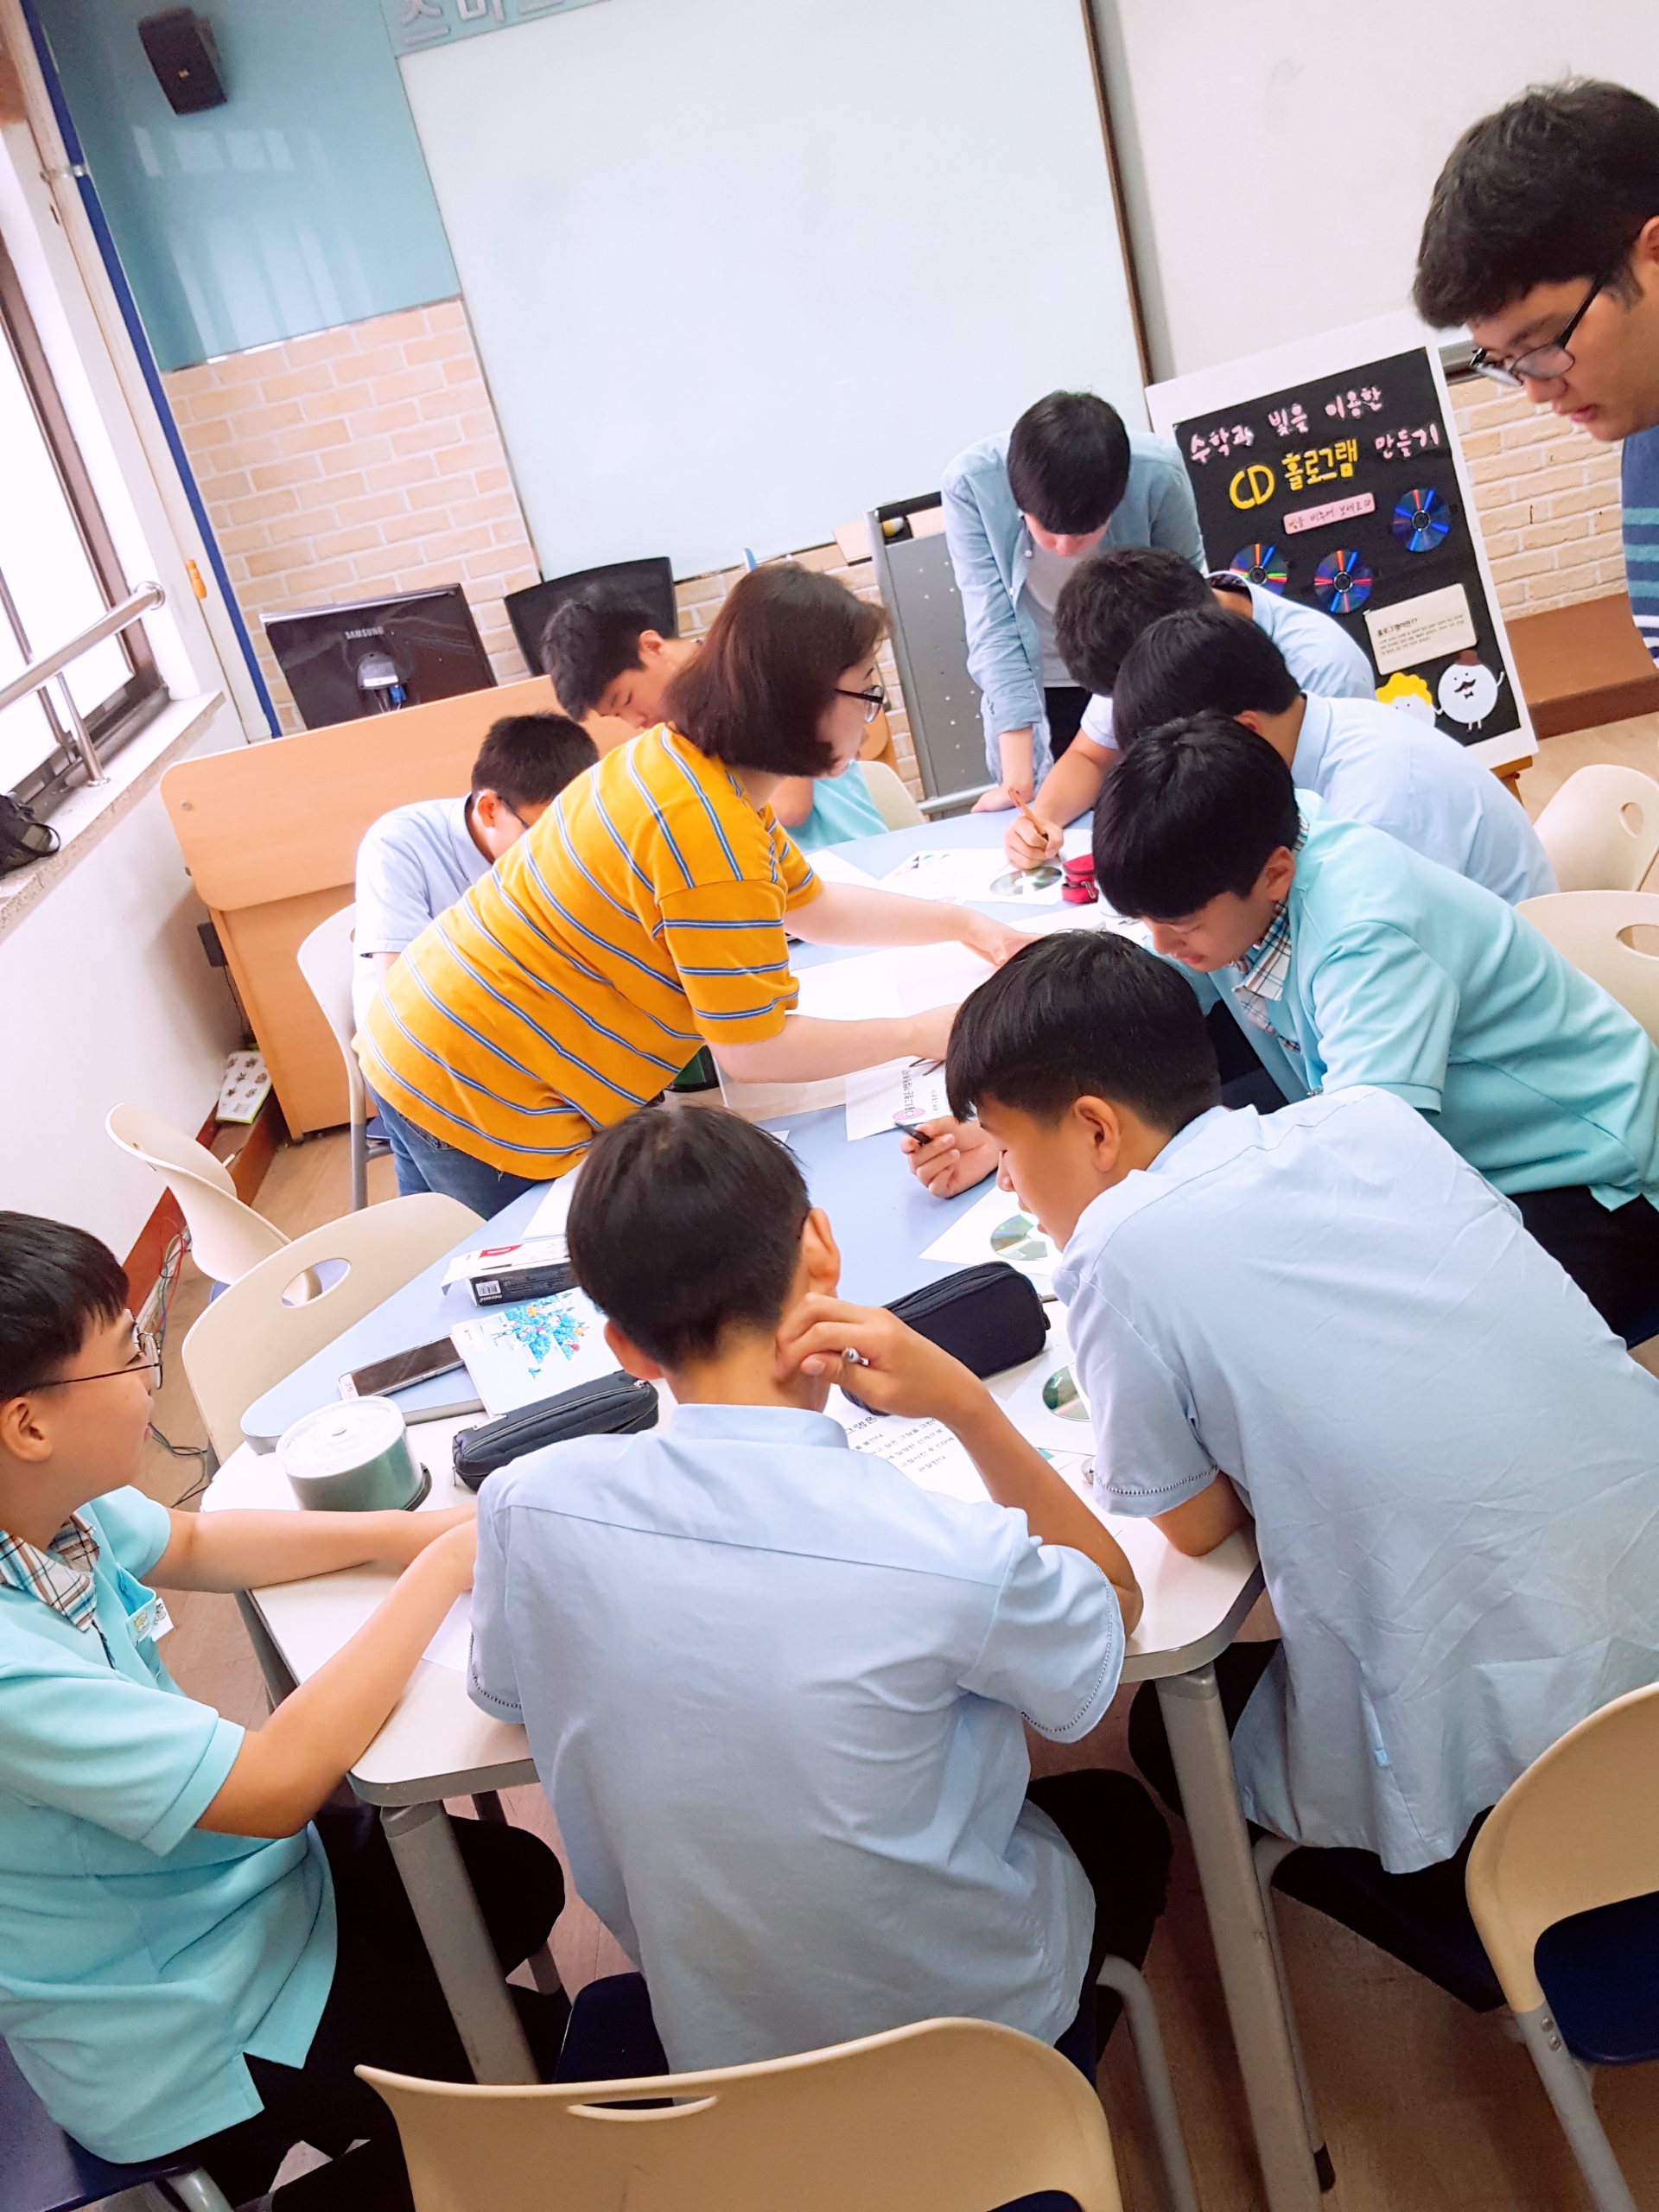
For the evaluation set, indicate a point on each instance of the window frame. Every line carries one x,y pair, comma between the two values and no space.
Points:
134,704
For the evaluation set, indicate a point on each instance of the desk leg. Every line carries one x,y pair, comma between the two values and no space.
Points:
452,1927
1203,1767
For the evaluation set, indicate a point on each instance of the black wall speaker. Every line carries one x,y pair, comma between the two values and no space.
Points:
182,51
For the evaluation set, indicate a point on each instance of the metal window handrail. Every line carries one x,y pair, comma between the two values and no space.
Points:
39,673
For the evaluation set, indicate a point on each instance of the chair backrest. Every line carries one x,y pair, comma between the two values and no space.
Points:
249,1338
1580,1828
327,961
648,583
226,1237
1592,929
893,802
934,2118
1601,830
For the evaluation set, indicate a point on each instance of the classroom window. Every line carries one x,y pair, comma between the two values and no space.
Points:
58,573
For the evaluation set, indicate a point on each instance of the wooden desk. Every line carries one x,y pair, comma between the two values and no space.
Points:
269,833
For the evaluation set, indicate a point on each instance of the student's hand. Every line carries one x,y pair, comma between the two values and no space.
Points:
951,1156
989,939
1002,796
421,1530
1029,840
900,1373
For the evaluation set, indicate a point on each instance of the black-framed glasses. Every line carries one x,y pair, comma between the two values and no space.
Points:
875,702
1541,363
146,1353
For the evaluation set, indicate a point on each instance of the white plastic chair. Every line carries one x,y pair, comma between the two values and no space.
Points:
890,800
1601,830
325,961
1592,929
226,1237
1579,1829
249,1337
946,2116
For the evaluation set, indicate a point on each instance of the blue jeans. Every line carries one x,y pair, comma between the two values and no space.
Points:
427,1163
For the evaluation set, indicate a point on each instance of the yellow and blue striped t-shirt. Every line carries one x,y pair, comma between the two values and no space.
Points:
642,914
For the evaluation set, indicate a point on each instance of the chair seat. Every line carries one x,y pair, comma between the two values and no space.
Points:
1601,1973
43,2170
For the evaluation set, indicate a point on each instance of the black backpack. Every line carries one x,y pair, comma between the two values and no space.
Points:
23,839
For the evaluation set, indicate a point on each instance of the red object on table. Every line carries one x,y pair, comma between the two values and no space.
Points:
1078,887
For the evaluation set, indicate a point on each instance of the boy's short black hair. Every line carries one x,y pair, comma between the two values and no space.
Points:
1111,598
1083,1015
56,1284
685,1224
527,760
1556,185
1201,660
587,643
1069,462
1192,808
769,668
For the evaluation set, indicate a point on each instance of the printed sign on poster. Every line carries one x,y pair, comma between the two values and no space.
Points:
1328,471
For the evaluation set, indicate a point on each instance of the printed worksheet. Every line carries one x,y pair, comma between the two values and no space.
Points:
517,1354
898,1091
961,875
998,1228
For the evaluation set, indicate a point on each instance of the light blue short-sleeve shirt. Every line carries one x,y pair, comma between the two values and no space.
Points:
841,809
1376,763
774,1694
412,865
140,1957
1319,652
1407,977
1453,1462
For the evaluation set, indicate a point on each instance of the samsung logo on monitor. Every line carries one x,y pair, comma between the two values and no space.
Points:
376,632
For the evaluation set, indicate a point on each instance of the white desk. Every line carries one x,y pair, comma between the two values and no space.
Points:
437,1745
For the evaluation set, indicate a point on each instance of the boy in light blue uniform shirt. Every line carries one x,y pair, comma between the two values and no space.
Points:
1349,959
1327,1322
193,1956
415,862
1020,514
1368,762
774,1691
1111,601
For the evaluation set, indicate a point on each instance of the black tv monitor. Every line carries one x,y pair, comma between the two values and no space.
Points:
649,584
376,655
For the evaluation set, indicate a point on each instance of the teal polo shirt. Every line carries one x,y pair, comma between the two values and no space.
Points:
1414,980
841,809
140,1957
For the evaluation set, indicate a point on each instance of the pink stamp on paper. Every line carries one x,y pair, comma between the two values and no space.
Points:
1301,518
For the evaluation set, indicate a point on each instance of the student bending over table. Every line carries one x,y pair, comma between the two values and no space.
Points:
419,859
195,1948
1368,762
773,1689
1106,604
1328,1322
1346,958
606,658
644,915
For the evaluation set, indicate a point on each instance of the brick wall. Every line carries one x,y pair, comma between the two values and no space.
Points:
1548,497
358,460
699,596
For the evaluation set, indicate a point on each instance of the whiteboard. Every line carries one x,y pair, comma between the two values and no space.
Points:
739,269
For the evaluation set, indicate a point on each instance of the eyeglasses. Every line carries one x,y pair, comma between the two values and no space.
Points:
1543,362
875,702
146,1353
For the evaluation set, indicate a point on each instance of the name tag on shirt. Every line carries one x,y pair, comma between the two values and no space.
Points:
150,1620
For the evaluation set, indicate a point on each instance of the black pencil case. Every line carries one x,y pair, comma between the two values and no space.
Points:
988,1316
617,1405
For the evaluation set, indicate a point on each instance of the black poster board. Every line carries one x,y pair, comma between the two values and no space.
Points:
1342,492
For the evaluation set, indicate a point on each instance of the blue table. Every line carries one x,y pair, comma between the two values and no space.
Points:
882,1220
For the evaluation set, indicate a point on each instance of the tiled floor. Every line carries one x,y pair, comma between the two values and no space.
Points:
1425,2107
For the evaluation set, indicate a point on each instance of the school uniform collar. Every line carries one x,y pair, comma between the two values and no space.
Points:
1263,970
776,1424
1311,741
61,1575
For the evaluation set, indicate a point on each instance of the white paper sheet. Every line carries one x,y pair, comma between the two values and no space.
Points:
930,1455
997,1229
832,869
516,1354
906,979
534,1252
906,1090
549,1218
958,874
452,1645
